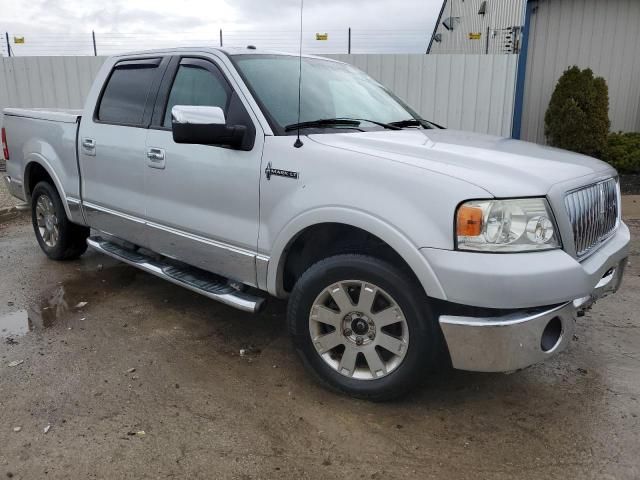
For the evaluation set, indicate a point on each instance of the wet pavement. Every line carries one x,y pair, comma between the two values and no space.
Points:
138,378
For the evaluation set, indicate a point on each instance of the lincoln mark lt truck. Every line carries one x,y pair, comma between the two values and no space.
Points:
399,244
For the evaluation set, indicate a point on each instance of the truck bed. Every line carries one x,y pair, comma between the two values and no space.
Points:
47,137
65,115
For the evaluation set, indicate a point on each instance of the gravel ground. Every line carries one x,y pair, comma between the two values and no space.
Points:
6,199
630,184
194,408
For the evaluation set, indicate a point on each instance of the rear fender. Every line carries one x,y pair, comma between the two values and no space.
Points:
32,159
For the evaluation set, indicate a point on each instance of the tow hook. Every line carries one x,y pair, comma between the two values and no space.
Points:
582,305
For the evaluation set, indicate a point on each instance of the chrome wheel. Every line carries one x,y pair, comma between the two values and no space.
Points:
359,330
47,221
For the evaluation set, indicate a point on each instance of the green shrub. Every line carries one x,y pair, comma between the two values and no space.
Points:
578,115
623,152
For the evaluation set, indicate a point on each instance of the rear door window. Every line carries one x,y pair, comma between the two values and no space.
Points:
126,94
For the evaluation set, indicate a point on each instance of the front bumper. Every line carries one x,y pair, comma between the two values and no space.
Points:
517,340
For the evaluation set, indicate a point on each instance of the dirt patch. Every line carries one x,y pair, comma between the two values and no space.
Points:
152,384
630,184
631,207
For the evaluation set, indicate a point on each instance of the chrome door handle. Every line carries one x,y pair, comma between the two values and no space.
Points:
89,146
89,143
155,158
155,154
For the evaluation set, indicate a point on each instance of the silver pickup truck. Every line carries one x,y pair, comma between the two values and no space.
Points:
400,245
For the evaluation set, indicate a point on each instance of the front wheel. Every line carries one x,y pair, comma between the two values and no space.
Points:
58,238
363,326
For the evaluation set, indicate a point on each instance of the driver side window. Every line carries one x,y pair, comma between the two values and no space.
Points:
194,85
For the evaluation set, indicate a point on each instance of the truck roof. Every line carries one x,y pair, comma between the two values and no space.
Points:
231,51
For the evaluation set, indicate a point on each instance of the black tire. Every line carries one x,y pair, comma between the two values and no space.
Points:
71,241
425,337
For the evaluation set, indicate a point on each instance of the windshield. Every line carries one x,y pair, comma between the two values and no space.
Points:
329,90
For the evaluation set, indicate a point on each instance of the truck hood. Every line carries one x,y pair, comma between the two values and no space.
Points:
503,167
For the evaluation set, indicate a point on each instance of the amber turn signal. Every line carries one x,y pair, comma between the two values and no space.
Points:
469,221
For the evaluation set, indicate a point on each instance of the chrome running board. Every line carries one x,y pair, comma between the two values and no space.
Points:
205,283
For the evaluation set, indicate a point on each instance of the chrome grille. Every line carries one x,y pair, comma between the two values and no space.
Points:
593,212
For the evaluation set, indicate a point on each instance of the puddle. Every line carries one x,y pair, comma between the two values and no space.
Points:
54,307
63,304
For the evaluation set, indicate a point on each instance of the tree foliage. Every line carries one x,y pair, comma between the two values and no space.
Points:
623,152
577,118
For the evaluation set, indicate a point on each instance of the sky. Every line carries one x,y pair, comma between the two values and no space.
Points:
64,27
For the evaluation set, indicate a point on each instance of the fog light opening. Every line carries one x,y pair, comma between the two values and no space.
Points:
551,335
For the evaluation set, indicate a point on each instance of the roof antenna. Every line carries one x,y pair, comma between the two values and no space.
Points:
298,142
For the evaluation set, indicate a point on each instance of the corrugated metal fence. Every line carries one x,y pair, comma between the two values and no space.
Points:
59,82
466,92
469,92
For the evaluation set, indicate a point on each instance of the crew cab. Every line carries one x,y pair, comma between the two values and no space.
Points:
399,244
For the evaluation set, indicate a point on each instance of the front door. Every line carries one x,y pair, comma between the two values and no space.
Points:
202,200
112,150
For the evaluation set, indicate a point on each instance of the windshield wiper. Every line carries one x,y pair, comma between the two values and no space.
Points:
323,122
414,122
339,122
388,126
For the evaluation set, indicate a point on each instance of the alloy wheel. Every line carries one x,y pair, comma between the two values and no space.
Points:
47,221
359,330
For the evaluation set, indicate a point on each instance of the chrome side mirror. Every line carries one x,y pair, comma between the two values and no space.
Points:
205,126
197,115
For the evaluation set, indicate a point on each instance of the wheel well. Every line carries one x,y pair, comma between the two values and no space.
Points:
328,239
34,174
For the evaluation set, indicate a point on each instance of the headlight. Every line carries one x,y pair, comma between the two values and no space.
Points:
517,225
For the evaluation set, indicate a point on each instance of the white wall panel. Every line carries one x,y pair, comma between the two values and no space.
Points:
500,14
596,34
471,92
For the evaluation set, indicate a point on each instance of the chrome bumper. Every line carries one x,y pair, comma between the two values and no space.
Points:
517,340
14,187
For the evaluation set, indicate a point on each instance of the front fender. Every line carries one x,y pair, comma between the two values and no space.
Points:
355,218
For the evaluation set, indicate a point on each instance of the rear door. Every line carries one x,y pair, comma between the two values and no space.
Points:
203,200
112,149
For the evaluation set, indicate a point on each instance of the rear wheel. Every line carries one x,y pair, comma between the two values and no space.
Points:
363,326
58,238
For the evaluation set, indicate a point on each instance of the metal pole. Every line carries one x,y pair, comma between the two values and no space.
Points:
486,52
435,29
6,35
221,37
521,74
349,47
95,50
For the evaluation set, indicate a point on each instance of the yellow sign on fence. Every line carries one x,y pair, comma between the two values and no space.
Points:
475,35
322,36
18,40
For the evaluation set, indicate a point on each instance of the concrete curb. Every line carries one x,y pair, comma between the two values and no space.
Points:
8,213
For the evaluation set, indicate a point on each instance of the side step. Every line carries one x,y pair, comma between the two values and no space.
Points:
199,281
